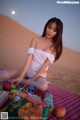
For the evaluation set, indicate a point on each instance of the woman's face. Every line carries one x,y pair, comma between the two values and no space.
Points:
51,30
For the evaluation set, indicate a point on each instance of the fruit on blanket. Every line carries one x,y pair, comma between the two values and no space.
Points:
59,111
1,87
13,86
30,111
21,112
6,86
29,105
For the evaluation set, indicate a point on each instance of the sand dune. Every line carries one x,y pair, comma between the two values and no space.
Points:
14,42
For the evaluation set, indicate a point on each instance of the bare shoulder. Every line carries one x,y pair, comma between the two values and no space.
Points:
34,40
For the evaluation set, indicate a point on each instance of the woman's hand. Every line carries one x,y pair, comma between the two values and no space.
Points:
27,81
16,81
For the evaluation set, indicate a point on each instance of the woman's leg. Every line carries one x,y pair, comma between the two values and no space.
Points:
41,83
7,74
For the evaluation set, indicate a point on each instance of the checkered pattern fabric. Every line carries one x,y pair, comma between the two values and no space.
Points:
70,101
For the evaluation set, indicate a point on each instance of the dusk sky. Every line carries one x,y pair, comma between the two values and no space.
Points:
33,14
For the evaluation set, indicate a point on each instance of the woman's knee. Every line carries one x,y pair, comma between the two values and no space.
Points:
4,74
44,86
9,73
43,83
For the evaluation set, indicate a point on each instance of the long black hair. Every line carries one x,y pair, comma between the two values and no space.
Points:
57,39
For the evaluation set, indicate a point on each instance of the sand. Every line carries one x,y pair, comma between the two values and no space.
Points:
14,42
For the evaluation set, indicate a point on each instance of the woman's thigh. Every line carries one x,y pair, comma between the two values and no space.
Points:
42,80
10,73
41,83
14,72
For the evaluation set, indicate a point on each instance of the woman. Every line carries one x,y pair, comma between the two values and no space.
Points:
42,52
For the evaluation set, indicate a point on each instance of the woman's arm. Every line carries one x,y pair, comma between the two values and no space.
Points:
26,65
42,69
28,59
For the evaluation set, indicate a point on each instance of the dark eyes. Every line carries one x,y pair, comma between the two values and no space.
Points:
50,27
55,30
